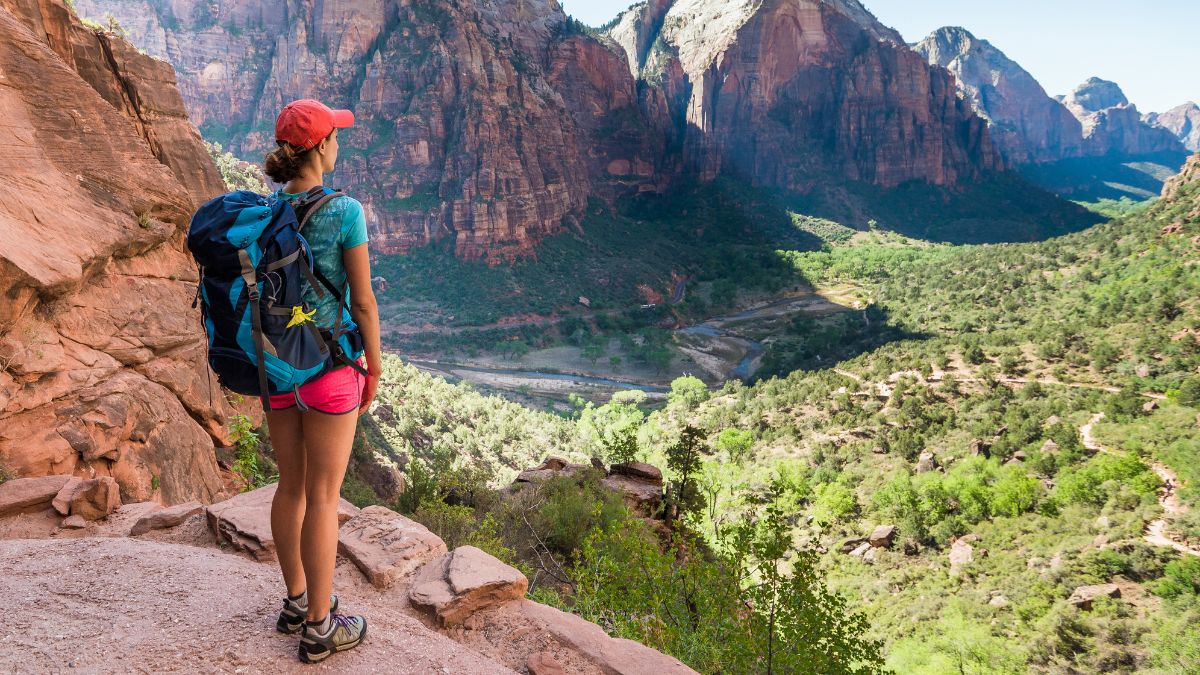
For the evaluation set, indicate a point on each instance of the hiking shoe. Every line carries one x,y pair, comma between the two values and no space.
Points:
342,633
291,618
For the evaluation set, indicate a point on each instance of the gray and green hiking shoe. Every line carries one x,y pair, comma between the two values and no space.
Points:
291,618
341,633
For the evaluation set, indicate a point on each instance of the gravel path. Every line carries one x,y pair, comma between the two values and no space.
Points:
1156,532
129,605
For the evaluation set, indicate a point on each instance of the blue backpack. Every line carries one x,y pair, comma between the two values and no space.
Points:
255,267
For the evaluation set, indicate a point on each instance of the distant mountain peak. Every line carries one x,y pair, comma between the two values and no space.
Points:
1096,94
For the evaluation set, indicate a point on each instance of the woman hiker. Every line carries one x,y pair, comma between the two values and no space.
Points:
312,448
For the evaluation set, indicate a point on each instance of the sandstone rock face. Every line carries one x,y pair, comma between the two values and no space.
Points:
489,124
1112,125
463,582
465,132
27,495
102,368
614,656
386,546
1188,175
244,521
1026,124
1183,121
165,518
781,90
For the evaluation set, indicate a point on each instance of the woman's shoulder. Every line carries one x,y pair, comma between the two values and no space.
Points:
344,203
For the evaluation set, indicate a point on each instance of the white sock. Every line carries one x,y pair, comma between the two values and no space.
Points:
322,628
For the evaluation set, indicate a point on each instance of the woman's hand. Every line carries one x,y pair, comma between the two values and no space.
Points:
368,395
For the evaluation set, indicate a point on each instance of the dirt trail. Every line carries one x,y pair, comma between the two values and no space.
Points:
1156,531
116,604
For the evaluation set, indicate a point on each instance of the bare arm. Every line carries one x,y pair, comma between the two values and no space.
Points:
365,312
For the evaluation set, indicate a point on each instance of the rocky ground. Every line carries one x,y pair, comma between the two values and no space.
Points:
197,591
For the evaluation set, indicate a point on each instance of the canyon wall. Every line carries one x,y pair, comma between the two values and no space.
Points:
102,361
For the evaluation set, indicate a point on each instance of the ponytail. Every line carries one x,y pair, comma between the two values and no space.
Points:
285,162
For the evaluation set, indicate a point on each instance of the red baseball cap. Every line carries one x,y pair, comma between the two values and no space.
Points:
305,122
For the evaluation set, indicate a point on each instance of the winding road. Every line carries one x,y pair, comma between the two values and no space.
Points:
1156,531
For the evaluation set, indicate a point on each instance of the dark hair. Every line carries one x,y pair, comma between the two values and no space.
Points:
285,162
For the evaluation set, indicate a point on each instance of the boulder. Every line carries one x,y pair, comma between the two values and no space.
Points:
244,521
386,546
979,448
882,536
75,522
62,501
637,470
640,494
1084,595
999,602
1049,447
870,556
613,656
961,554
1020,456
552,463
861,550
96,498
926,462
463,582
1150,406
28,495
164,518
544,663
852,544
911,546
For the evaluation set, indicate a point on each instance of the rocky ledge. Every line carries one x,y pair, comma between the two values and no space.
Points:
161,598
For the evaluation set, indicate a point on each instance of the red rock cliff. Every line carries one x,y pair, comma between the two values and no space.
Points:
491,123
101,356
788,92
465,128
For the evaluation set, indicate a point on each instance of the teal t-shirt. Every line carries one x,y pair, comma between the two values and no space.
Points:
339,225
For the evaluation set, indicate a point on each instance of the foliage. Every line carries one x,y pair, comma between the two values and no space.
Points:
252,468
236,173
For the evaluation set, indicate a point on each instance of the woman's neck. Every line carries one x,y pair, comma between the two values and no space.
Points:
307,180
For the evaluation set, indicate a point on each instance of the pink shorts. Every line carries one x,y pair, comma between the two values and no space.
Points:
337,392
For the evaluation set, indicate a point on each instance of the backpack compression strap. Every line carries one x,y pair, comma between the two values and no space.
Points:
250,276
312,202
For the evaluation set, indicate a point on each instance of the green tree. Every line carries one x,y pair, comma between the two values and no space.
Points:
736,443
688,392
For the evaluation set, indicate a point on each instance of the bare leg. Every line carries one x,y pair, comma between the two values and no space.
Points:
287,509
327,442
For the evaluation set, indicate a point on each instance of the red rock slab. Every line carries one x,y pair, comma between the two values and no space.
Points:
386,546
614,656
245,521
638,470
28,495
463,582
168,517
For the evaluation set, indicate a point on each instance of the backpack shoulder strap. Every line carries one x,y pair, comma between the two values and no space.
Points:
312,201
